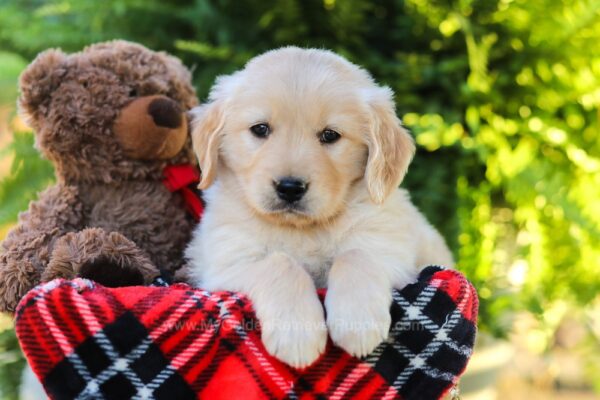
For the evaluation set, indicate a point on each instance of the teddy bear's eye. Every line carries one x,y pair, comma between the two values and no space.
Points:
85,84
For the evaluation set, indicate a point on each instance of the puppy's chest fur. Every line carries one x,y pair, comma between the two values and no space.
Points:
314,250
229,235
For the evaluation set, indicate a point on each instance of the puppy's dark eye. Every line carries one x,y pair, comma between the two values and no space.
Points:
260,130
328,136
133,93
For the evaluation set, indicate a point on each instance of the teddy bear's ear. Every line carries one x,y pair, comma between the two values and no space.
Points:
37,83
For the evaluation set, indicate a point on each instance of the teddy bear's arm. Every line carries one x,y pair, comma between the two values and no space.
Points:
25,252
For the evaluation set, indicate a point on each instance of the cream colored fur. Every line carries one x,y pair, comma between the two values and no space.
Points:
354,232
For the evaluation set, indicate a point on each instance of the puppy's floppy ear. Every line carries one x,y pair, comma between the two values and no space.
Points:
391,147
207,130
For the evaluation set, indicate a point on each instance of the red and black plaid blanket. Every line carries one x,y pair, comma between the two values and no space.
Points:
85,341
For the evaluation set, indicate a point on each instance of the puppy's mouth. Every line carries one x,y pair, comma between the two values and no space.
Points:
296,208
295,213
289,214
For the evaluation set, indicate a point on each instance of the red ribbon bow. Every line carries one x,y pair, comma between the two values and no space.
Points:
184,178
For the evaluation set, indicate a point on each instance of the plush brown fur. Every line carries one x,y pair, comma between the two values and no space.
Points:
109,217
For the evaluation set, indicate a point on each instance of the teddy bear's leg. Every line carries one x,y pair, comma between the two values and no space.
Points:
108,258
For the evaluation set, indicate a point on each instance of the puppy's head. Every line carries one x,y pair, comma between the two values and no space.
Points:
295,130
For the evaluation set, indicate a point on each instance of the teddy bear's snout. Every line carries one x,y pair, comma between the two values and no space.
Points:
151,127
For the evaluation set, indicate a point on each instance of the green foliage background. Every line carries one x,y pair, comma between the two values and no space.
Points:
501,95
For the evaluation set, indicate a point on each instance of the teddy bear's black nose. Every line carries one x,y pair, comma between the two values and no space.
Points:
165,112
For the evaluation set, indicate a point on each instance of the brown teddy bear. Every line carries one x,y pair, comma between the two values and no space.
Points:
110,118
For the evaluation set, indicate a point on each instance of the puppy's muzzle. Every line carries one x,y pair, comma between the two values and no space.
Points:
290,189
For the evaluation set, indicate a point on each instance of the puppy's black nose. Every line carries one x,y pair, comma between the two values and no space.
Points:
290,189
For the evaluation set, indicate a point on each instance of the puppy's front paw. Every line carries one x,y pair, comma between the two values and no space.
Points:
295,334
358,324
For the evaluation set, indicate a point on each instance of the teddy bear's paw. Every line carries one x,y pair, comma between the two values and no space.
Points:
108,258
297,336
358,326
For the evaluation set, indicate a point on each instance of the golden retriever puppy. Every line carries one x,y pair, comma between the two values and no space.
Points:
301,156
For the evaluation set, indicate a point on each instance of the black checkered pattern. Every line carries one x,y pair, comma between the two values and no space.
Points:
118,362
428,330
82,352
